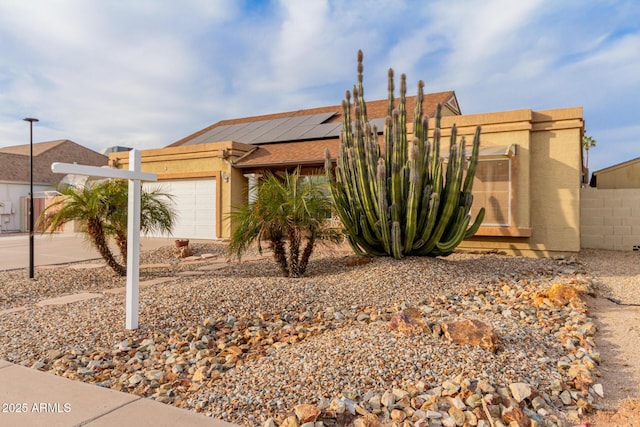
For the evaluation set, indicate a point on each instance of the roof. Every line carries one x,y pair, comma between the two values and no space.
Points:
15,160
38,148
308,124
291,154
617,166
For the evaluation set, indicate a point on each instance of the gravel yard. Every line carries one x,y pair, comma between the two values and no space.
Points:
245,345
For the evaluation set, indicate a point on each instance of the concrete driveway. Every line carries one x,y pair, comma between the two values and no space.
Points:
56,249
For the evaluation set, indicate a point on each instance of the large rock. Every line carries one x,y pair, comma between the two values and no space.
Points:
471,332
557,295
306,413
408,321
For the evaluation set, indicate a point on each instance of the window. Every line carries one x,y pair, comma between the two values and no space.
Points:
492,190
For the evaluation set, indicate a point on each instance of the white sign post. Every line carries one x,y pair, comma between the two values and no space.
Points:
135,176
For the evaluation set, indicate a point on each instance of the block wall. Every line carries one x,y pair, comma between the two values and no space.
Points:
610,219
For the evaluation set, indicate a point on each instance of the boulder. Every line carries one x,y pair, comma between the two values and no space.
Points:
408,321
306,413
471,332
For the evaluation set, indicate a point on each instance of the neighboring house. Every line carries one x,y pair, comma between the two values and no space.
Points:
15,177
622,175
528,177
610,212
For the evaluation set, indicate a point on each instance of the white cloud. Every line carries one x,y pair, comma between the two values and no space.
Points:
149,72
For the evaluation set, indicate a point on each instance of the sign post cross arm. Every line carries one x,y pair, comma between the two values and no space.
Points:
134,175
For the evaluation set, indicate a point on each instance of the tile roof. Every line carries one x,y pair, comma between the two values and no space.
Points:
291,153
38,148
15,160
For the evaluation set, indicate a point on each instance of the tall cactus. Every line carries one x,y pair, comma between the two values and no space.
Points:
401,202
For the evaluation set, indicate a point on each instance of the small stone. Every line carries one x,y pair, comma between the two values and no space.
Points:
473,401
447,421
200,374
38,365
338,406
388,399
398,415
53,355
520,391
433,415
565,396
363,317
375,402
449,388
515,414
368,420
538,402
400,394
270,423
598,389
458,403
458,415
135,379
472,419
290,421
155,375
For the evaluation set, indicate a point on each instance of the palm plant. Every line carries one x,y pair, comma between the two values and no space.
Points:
287,209
156,213
101,209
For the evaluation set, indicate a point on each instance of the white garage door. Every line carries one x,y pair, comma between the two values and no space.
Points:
195,203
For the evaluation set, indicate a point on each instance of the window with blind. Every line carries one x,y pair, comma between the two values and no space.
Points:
492,190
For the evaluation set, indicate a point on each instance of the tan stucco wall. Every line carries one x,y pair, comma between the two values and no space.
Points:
545,180
626,175
198,161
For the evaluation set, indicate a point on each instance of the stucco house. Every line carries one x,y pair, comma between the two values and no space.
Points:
621,175
528,177
15,177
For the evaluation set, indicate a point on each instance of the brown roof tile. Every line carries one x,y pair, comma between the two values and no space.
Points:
15,160
291,153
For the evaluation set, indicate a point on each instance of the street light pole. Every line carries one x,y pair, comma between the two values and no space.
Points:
31,220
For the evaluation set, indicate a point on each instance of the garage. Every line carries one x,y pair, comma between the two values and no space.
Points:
195,203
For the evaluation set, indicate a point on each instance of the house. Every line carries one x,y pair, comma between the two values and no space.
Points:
610,210
528,176
622,175
15,177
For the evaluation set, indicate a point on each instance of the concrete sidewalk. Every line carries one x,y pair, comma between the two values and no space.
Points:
59,249
33,398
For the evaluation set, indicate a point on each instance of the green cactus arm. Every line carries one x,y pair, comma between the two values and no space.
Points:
476,224
473,162
431,216
448,246
383,207
413,199
396,240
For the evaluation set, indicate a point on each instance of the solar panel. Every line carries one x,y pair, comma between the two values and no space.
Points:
324,130
293,128
251,127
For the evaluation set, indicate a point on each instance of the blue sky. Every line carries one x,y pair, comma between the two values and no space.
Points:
145,73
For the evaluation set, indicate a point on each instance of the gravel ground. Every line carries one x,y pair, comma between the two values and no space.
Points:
245,345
